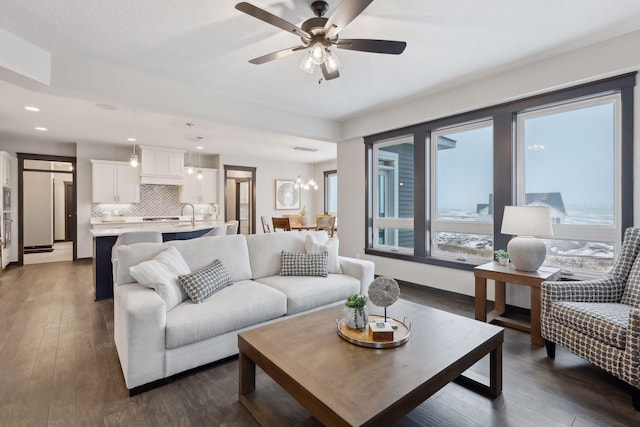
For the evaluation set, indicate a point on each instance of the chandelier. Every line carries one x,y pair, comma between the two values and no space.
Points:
308,183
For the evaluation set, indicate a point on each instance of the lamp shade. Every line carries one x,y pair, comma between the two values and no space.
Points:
527,221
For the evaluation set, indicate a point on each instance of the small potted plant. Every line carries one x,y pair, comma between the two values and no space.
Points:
304,217
502,256
355,313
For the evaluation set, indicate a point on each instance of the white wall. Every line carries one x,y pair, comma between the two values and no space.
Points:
605,59
267,171
59,206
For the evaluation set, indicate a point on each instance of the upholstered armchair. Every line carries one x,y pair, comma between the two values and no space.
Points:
599,320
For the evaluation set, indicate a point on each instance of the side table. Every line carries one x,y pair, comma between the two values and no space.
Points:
508,274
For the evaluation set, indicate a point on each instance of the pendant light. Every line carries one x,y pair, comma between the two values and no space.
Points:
133,160
190,164
199,173
308,183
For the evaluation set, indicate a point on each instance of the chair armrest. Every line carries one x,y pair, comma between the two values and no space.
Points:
361,269
606,289
631,365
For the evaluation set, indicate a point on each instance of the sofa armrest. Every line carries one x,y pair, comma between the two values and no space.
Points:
139,320
361,269
606,289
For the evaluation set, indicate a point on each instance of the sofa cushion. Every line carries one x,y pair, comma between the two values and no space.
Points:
606,322
244,304
296,264
305,293
265,249
161,274
230,250
330,246
205,282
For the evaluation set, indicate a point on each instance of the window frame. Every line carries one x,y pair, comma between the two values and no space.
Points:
445,226
504,163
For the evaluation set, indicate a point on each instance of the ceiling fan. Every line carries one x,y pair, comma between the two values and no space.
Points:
318,34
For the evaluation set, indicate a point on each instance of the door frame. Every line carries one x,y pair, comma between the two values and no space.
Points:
74,220
251,169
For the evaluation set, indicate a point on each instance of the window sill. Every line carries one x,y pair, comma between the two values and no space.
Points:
423,260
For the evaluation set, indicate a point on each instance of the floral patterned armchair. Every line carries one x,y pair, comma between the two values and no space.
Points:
599,320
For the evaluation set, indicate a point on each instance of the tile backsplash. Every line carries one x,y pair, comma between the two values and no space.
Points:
155,200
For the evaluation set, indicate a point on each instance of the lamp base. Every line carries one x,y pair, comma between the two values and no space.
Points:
526,253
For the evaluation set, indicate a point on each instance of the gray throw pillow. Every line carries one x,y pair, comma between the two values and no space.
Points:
297,264
205,282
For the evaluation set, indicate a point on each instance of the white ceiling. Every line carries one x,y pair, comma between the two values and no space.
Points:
206,45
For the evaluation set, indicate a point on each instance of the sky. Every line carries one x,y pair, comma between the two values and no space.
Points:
573,155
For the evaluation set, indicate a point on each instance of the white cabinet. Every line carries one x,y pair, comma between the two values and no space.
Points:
203,190
6,171
161,165
115,182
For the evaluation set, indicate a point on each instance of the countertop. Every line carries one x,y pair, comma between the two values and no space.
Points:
115,220
163,227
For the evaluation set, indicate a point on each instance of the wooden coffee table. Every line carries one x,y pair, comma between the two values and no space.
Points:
342,384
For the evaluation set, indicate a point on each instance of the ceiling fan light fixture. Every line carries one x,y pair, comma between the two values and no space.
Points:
332,61
317,53
307,64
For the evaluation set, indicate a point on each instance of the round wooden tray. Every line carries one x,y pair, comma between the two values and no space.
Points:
361,337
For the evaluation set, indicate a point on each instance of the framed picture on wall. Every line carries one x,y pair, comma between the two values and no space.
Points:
287,195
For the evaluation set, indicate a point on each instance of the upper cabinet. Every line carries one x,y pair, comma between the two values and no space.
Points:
195,190
114,182
161,165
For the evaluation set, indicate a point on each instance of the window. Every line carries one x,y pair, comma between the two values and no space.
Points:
331,193
570,161
462,177
437,190
393,186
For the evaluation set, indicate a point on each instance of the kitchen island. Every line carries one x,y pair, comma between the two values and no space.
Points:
104,239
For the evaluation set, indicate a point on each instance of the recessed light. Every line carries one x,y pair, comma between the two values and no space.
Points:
41,129
199,147
106,107
31,108
131,139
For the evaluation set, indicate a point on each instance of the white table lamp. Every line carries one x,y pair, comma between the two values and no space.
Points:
526,252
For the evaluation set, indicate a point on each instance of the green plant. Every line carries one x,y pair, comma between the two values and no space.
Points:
357,302
501,253
303,211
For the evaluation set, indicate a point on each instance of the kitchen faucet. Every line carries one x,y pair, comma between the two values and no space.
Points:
193,212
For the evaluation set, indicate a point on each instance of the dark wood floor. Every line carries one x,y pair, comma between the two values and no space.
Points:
59,367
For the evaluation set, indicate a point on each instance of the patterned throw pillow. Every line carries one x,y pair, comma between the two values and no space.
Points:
205,282
631,295
300,264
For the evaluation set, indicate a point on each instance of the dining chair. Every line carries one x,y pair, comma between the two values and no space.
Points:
283,224
218,230
327,223
232,226
265,224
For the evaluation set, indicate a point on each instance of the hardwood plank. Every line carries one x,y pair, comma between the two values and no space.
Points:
77,379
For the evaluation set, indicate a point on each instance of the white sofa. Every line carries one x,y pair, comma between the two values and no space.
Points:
154,343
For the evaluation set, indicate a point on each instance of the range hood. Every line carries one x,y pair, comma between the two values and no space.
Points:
160,165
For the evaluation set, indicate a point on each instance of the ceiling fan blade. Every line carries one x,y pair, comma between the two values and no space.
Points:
328,75
346,12
276,55
272,19
370,45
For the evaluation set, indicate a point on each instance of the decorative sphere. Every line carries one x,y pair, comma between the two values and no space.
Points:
384,291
